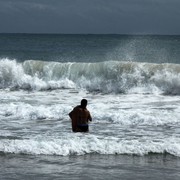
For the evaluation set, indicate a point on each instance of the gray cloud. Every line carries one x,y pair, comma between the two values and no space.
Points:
90,16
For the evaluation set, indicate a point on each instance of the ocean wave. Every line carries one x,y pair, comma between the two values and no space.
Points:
90,144
103,77
122,117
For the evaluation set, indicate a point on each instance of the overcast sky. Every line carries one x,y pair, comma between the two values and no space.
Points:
90,16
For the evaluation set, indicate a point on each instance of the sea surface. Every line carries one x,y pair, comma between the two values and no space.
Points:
132,84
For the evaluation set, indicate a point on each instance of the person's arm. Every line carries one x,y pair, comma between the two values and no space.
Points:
89,117
71,114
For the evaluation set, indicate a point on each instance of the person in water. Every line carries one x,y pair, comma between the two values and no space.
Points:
80,117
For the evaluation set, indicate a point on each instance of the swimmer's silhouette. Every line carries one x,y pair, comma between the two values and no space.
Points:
80,117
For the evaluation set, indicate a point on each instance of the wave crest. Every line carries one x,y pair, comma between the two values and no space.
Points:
103,77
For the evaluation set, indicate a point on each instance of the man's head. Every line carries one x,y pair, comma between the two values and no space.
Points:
83,103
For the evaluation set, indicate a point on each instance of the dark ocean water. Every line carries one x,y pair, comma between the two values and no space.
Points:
132,84
90,167
90,48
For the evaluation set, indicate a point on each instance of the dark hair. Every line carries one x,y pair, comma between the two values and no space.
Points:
83,103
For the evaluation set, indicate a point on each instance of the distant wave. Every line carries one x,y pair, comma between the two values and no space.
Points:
102,77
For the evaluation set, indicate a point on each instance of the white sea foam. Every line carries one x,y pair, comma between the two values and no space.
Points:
128,113
125,124
80,144
12,75
104,77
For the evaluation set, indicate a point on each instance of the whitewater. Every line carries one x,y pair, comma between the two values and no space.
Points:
134,107
103,77
134,103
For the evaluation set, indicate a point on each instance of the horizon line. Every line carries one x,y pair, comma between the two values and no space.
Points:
123,34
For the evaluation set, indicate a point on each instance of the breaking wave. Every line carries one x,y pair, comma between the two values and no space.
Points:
103,77
80,145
